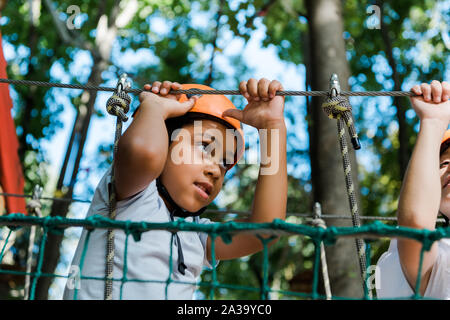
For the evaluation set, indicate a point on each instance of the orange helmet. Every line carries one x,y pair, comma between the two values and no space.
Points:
210,106
445,143
446,136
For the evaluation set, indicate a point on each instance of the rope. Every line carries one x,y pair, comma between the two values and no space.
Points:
318,222
276,227
237,212
43,198
33,208
136,228
198,91
339,108
118,105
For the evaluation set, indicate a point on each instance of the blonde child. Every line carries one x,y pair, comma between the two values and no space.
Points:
425,193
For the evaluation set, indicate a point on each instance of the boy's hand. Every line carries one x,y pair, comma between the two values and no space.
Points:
434,101
264,109
159,97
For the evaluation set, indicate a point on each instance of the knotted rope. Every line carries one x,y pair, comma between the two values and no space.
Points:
317,221
339,108
33,208
118,105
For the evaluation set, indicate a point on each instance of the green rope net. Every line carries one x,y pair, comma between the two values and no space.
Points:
278,228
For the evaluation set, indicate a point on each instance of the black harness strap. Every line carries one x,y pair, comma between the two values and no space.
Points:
177,211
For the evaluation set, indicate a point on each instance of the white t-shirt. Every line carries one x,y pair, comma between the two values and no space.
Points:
147,259
393,284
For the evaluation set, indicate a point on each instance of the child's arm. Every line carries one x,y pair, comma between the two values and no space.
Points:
264,112
420,196
142,150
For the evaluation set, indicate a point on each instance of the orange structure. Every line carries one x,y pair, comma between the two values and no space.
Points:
11,175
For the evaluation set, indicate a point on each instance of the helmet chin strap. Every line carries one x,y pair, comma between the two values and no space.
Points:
447,222
176,211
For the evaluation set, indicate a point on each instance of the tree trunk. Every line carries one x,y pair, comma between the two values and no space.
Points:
328,56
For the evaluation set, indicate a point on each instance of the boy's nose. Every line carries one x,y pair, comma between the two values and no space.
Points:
211,169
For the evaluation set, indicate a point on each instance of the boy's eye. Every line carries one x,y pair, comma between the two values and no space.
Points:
221,162
205,146
202,145
444,164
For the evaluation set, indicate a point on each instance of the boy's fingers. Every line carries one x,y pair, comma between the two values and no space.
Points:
436,91
445,91
165,87
416,89
155,86
233,113
426,91
243,89
252,88
263,89
177,86
274,87
189,103
186,106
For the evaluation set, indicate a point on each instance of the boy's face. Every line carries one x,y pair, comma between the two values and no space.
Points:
444,165
197,162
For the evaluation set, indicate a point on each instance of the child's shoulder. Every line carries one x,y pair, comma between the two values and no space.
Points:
392,282
146,198
392,252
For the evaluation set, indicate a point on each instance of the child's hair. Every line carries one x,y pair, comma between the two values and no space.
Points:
173,124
